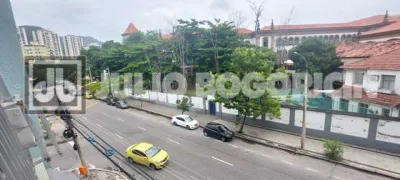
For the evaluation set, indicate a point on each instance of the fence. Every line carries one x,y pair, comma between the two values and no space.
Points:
370,131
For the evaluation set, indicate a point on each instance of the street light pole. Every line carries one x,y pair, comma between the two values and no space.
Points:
303,124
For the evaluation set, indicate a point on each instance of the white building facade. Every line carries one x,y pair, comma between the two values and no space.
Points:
49,39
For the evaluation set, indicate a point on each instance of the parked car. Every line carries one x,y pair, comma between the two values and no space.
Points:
184,121
111,100
218,131
148,155
121,105
88,96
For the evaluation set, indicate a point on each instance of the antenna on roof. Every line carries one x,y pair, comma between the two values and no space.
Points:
272,25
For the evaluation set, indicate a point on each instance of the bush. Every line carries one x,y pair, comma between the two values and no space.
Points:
333,149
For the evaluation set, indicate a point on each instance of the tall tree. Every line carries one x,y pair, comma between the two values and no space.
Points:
321,57
258,9
244,61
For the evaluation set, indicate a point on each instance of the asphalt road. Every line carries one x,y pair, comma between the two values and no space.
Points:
195,157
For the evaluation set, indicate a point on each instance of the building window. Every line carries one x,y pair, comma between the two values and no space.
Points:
344,105
363,108
265,42
358,78
385,112
387,82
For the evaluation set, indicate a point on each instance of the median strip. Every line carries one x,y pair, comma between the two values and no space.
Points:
222,161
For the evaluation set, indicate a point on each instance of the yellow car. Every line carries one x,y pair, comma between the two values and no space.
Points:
147,154
88,96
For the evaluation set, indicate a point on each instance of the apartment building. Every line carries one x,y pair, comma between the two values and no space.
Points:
71,45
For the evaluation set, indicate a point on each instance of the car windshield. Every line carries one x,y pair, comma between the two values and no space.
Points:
152,151
223,128
121,102
188,119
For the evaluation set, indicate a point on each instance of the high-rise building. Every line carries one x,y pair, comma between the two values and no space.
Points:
49,39
22,36
71,45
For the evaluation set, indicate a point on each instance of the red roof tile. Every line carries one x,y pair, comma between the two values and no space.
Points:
368,49
386,29
130,29
357,23
388,61
358,93
166,36
243,31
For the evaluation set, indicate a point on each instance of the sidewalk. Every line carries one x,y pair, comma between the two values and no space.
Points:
358,158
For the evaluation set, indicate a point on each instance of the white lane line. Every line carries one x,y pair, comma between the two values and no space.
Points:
218,141
287,162
92,166
172,141
189,169
312,170
142,128
193,178
119,136
222,161
266,156
57,168
71,143
338,178
99,125
83,117
248,150
233,145
119,119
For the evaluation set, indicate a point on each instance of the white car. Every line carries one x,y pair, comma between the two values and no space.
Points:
185,121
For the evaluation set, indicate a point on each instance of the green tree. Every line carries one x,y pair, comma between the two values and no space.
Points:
185,104
321,57
244,61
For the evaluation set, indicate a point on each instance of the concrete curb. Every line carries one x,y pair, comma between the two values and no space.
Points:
291,149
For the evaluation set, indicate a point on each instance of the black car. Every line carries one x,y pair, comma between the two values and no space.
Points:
111,101
218,131
121,105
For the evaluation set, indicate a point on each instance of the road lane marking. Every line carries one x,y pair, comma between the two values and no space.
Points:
172,141
218,141
173,174
57,168
142,128
83,117
120,119
99,125
337,178
248,150
119,136
312,170
176,172
189,169
233,145
92,166
92,105
193,178
266,156
222,161
71,143
287,162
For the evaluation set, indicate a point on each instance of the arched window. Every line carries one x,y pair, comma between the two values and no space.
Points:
337,38
348,38
291,41
265,41
331,39
296,40
303,39
326,38
279,41
343,38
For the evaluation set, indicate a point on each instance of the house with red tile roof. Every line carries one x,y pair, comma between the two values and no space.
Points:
281,38
371,85
389,32
129,30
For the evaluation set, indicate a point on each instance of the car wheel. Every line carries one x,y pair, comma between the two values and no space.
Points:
131,160
187,127
174,123
152,166
205,133
223,139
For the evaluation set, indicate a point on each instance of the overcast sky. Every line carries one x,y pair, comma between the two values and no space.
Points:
107,19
